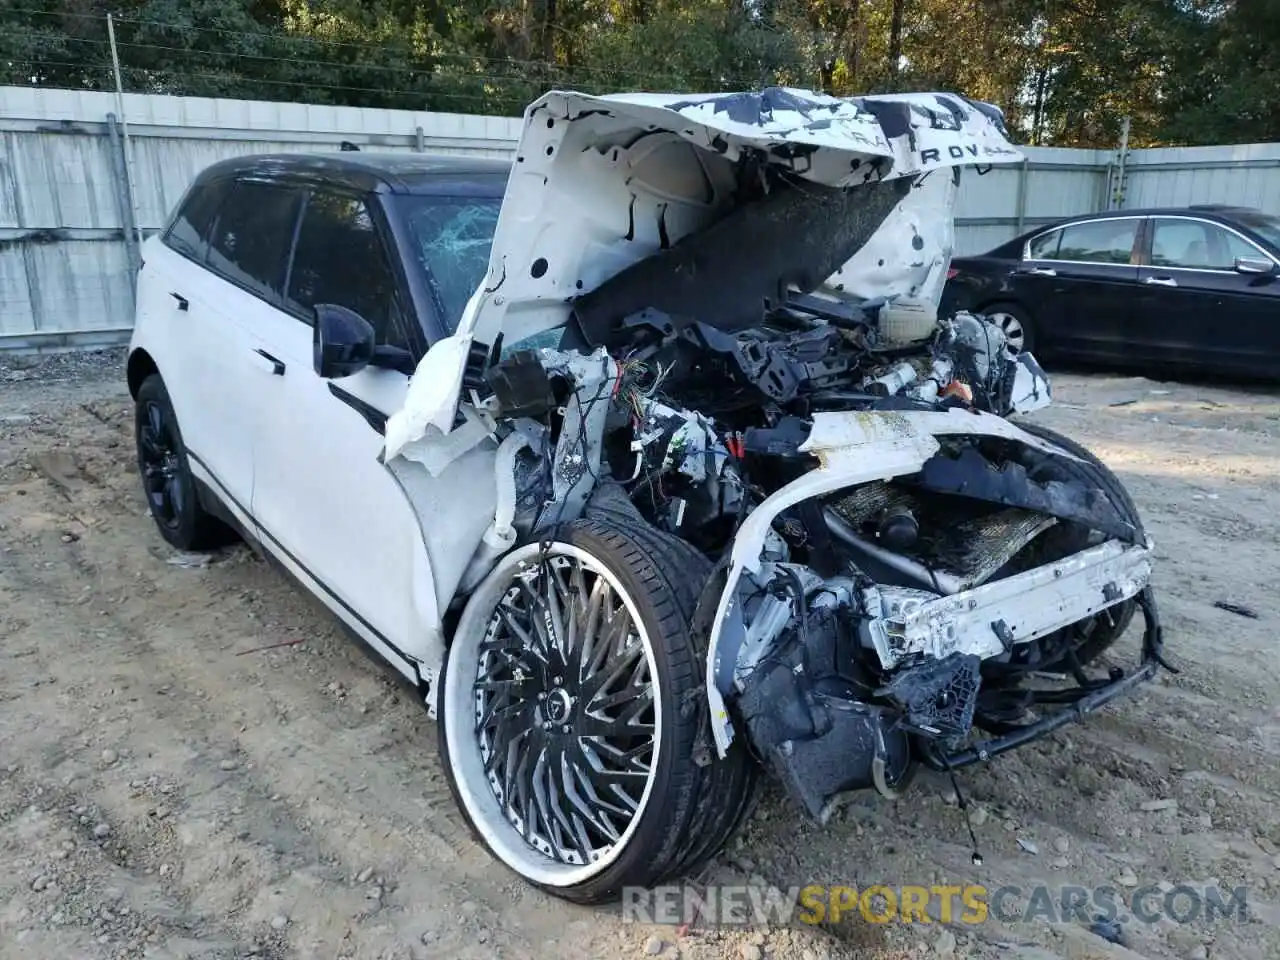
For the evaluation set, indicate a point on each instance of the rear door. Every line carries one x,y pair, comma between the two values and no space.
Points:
224,253
1079,282
1195,308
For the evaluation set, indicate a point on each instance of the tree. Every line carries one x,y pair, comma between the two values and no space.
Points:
1065,71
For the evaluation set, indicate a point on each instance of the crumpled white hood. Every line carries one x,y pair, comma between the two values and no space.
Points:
600,183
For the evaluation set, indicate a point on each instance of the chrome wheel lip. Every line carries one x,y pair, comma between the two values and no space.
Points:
457,705
1013,329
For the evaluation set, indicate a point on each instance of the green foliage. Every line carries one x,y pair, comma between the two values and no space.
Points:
1065,71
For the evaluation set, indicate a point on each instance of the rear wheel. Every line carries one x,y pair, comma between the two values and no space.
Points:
571,711
166,473
1016,324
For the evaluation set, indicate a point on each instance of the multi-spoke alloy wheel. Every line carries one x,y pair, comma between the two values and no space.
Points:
160,465
166,477
569,714
1012,328
565,716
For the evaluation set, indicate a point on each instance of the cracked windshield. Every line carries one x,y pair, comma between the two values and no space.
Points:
451,239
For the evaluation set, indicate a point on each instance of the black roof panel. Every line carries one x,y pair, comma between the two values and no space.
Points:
379,172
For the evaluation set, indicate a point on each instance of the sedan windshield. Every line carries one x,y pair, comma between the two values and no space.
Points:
451,240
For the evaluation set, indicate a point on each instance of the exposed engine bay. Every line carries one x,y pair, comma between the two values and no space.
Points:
896,563
873,618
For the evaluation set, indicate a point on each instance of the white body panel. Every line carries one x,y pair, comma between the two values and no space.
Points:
322,497
207,351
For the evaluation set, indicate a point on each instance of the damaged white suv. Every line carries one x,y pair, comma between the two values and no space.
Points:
645,458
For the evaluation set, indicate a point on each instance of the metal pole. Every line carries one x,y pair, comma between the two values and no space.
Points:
1023,175
124,132
1122,172
120,179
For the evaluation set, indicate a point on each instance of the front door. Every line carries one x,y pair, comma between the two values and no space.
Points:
1195,308
321,497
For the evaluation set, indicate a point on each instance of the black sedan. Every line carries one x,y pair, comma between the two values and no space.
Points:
1195,287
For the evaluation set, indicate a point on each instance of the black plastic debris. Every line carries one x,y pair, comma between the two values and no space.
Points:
1238,609
1108,930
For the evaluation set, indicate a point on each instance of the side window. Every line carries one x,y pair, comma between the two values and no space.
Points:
189,232
1045,246
341,259
251,237
1191,244
1099,241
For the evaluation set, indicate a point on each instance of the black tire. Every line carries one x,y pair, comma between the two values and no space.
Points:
166,473
1111,625
1005,315
690,810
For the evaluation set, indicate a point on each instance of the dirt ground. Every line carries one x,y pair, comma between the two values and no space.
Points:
166,793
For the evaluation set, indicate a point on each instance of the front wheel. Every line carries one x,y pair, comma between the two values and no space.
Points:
571,711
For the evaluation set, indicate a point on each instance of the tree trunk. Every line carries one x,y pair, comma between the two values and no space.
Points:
1037,114
853,38
895,42
549,33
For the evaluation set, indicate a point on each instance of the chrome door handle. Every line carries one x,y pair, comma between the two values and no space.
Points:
1161,281
1042,271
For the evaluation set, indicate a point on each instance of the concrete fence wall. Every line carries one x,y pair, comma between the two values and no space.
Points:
67,223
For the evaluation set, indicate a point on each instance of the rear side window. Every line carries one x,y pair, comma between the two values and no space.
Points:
340,259
252,235
189,232
1100,241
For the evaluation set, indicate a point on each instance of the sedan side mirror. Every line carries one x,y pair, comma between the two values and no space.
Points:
343,341
1257,265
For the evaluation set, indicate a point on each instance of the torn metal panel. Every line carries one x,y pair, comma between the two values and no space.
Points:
432,400
856,448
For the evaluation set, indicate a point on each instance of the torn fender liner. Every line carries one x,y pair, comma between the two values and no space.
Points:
973,475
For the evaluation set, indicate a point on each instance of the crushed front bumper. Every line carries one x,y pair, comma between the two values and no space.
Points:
1073,703
991,619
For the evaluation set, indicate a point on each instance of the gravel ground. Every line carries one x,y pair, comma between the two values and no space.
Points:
166,793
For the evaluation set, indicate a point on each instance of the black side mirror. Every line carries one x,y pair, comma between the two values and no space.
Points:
343,341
